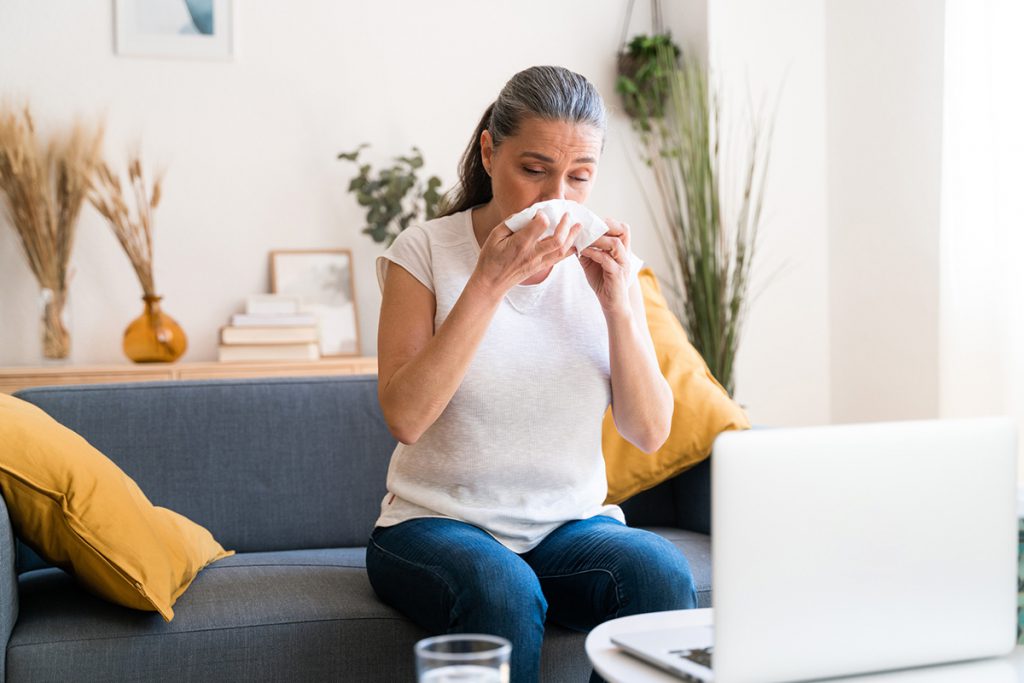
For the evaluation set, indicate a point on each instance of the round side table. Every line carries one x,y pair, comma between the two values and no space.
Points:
615,666
618,667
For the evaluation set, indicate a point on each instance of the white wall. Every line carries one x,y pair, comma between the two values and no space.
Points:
849,330
250,150
884,75
250,145
767,52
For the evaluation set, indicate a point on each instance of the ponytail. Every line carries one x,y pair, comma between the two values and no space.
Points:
474,186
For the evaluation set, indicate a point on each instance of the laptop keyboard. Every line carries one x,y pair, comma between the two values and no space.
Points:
700,655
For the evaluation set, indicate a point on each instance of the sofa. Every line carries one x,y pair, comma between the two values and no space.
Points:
289,473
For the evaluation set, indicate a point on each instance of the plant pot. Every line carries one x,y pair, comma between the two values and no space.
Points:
641,63
154,337
628,66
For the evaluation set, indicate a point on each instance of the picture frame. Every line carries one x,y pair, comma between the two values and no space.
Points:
324,281
184,29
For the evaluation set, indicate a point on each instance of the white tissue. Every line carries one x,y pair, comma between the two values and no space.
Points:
592,225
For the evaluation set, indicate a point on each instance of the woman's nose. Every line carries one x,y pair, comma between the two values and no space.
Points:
554,189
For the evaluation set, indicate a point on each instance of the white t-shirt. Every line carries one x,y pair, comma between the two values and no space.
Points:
517,450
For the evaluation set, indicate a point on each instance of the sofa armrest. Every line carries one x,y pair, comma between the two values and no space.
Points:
8,585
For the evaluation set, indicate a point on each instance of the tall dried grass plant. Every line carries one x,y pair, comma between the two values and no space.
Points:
130,214
43,187
712,224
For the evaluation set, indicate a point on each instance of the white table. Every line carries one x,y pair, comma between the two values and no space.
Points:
618,667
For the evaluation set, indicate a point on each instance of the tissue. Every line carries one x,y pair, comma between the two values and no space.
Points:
592,225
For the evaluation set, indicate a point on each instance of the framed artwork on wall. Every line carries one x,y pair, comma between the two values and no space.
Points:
197,29
323,280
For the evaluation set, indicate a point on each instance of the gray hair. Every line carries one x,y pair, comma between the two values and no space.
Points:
548,92
552,93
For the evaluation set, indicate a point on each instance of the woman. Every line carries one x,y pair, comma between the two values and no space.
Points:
498,355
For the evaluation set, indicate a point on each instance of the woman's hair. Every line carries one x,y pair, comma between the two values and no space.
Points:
547,92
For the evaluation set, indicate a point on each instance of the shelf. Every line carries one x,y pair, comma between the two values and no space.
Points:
14,378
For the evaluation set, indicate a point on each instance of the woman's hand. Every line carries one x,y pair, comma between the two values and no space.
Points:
606,263
507,258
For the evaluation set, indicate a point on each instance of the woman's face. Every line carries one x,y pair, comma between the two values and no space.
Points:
543,160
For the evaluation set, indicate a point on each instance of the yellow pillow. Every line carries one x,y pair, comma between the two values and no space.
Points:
703,408
80,512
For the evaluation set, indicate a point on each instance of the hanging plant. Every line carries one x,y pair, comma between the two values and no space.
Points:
644,75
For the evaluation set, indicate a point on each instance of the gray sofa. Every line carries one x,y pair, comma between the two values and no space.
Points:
290,474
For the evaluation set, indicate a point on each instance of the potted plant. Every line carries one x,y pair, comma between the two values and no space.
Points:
153,337
394,196
643,78
642,81
43,188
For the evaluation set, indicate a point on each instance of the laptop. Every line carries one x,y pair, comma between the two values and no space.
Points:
854,549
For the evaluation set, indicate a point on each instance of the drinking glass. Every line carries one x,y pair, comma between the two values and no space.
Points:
463,658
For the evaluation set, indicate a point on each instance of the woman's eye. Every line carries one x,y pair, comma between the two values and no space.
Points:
532,171
578,179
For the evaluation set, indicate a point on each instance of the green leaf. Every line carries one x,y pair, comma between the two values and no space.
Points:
354,154
394,196
411,162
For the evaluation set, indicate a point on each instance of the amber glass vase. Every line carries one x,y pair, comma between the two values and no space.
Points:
154,337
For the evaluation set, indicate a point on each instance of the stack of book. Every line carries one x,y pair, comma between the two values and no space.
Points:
271,329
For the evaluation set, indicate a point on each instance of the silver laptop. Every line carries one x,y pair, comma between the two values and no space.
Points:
852,549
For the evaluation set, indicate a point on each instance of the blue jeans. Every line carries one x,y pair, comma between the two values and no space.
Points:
453,577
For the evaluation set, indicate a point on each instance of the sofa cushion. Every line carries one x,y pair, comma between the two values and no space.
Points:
81,512
282,616
697,549
264,464
287,615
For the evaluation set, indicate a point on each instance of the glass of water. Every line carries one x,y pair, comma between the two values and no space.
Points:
463,658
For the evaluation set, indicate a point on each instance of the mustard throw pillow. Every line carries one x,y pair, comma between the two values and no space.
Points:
703,408
80,512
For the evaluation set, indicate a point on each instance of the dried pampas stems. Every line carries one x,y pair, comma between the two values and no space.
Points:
132,225
43,188
153,337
